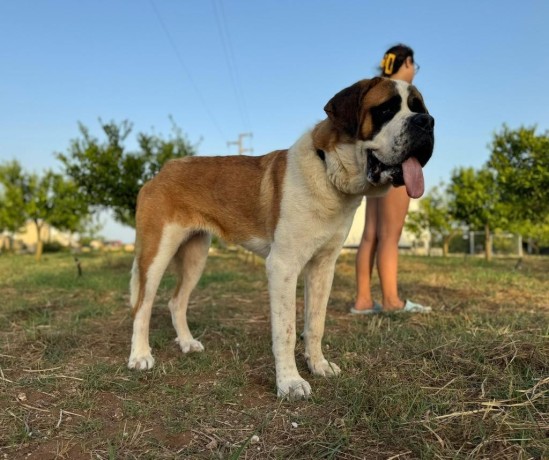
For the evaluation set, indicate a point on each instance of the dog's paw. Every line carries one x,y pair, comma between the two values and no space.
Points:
324,368
141,363
294,389
188,346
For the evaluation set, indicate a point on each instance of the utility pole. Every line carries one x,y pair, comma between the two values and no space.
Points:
241,148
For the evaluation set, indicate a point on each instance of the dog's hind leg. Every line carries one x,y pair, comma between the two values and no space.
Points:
151,260
189,261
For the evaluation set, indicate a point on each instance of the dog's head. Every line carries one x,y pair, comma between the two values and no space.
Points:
391,128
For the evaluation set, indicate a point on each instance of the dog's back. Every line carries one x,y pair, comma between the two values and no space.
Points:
190,191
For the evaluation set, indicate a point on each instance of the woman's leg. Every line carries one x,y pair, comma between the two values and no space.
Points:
392,210
365,257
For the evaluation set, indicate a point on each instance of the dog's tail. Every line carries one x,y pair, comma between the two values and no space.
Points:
136,294
134,286
136,282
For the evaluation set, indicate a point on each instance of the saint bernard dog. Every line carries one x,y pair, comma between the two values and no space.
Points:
294,207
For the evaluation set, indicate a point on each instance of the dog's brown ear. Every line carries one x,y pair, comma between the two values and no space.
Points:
344,109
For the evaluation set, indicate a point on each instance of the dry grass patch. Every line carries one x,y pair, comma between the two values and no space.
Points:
470,380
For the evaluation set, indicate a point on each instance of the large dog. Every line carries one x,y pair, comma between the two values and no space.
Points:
294,207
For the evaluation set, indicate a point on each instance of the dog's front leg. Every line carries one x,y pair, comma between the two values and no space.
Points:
282,275
318,275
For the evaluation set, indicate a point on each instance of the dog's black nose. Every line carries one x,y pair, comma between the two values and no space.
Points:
423,121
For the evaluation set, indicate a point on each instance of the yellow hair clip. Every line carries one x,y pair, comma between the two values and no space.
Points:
387,63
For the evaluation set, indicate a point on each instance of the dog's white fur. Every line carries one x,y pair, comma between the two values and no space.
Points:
315,201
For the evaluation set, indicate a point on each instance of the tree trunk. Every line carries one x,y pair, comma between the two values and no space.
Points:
446,240
446,246
39,242
487,243
7,244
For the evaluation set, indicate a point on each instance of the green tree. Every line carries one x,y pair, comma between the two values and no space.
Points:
474,200
434,217
70,211
536,233
12,196
520,162
47,199
109,176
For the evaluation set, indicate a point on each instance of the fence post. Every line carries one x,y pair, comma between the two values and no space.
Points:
519,239
472,243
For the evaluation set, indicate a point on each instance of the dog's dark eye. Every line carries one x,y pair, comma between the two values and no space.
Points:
416,105
386,111
386,115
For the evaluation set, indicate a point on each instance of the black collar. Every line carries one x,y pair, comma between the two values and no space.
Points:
321,154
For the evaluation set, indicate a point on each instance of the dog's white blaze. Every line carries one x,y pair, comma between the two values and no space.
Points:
390,141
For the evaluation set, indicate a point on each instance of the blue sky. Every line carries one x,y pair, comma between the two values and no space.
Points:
222,67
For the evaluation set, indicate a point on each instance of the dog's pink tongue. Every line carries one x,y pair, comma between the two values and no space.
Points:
413,177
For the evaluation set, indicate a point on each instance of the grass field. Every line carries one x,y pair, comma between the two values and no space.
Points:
471,380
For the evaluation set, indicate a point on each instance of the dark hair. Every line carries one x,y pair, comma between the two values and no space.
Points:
394,58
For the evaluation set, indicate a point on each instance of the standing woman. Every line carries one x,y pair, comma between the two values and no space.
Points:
385,219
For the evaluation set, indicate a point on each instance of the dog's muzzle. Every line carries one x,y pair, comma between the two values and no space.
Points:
419,130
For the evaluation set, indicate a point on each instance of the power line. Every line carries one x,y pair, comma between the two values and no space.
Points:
185,69
230,60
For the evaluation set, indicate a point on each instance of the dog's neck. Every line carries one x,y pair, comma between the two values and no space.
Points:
326,136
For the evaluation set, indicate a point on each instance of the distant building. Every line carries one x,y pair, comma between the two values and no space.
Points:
26,238
111,245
